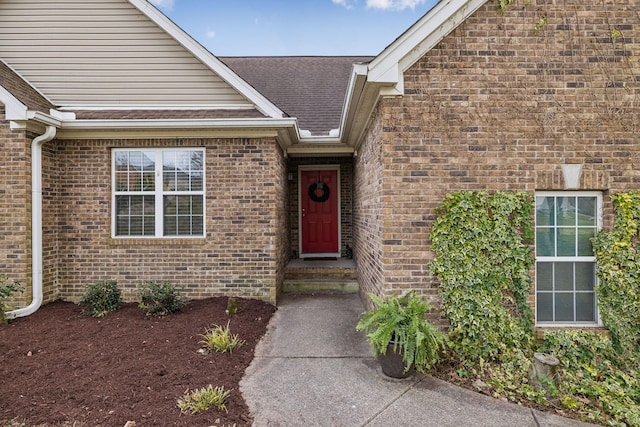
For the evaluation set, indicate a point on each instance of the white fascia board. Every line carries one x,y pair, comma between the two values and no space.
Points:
389,66
267,123
13,108
285,129
155,107
357,82
261,102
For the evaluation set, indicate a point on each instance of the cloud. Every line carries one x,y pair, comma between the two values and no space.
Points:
165,4
211,34
391,4
344,3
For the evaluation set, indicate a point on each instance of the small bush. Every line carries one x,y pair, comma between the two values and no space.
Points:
221,340
101,298
6,291
203,399
160,299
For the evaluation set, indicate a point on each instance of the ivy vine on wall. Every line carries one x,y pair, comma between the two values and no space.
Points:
483,258
618,261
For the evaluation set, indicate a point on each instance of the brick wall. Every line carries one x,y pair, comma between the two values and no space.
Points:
368,212
283,232
498,105
242,254
51,217
15,208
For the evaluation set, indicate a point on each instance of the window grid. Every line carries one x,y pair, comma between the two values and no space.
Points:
565,222
145,180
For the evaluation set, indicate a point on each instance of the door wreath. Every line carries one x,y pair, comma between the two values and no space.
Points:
319,186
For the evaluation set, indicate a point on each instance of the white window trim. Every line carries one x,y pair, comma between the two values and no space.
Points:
599,222
158,193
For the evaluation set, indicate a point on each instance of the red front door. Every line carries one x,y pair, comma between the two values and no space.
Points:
319,216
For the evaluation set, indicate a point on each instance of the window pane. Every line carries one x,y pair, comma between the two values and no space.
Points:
148,181
197,170
563,276
585,276
585,307
169,181
184,205
184,226
122,160
183,215
122,181
170,226
587,208
585,248
544,307
545,211
196,205
544,276
148,161
197,225
566,242
135,216
564,307
196,181
566,210
170,205
136,226
545,242
122,226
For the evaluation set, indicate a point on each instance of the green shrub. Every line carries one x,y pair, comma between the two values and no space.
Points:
101,298
220,339
618,260
483,259
160,299
203,399
6,291
591,381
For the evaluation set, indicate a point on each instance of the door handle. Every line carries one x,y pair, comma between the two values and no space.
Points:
303,213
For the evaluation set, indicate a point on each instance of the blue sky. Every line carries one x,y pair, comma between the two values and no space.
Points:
294,27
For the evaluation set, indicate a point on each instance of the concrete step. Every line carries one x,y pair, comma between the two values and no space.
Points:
320,285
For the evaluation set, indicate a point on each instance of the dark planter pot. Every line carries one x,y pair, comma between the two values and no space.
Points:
392,364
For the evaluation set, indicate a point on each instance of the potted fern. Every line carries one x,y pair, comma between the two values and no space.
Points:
403,340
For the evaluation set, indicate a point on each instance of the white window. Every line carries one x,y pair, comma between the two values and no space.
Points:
565,262
158,192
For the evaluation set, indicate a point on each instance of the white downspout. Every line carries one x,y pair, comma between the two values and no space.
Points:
36,224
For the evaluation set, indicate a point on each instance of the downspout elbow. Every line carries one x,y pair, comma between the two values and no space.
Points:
36,224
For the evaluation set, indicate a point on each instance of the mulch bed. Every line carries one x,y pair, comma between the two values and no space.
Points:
60,367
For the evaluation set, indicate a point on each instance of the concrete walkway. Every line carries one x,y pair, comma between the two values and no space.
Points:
313,369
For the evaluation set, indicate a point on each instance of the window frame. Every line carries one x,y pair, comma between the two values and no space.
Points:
159,192
573,259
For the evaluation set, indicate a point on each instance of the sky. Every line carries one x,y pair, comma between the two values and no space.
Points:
294,27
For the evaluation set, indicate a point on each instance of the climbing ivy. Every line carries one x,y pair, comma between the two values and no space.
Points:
483,259
618,261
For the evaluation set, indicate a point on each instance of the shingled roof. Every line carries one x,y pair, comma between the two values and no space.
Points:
22,90
309,88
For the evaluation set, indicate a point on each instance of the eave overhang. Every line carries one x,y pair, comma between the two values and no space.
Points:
284,130
384,75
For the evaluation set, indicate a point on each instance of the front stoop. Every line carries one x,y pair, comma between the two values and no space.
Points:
304,275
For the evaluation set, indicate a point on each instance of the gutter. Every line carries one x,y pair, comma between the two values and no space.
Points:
36,224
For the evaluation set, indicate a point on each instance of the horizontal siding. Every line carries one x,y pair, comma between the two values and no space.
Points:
103,52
